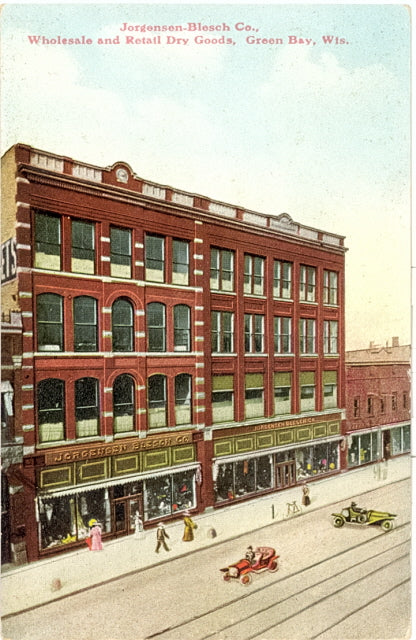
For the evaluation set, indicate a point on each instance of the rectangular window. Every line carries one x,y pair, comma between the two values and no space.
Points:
362,449
307,391
282,335
330,287
253,275
85,324
282,280
400,439
181,328
405,400
222,270
120,252
157,404
282,393
222,331
222,399
383,404
254,395
47,241
307,284
253,333
155,258
51,410
307,336
330,389
83,251
356,407
330,336
86,407
180,262
370,405
183,399
394,401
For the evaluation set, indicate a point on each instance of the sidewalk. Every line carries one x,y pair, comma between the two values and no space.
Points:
32,584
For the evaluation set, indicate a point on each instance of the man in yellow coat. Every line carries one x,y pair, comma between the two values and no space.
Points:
188,533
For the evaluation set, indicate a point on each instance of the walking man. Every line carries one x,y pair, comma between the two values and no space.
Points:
161,536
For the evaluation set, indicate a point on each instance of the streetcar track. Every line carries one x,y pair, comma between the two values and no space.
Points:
280,581
317,602
364,606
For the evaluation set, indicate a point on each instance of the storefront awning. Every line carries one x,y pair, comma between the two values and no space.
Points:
104,484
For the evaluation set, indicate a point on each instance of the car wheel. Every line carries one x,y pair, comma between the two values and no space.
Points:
338,522
274,566
226,577
361,518
387,525
246,579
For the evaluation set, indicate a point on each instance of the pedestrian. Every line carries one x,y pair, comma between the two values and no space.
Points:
161,535
188,534
138,526
95,535
305,495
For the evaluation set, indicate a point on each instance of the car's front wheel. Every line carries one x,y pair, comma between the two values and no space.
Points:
338,522
387,525
227,577
246,579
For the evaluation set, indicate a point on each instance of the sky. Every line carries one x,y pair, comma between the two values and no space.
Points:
294,124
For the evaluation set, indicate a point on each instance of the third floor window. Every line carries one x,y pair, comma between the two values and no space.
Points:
47,241
120,252
307,284
155,258
222,331
253,333
253,275
222,270
282,279
330,287
83,247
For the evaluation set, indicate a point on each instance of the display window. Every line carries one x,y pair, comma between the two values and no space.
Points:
167,495
363,448
400,439
243,477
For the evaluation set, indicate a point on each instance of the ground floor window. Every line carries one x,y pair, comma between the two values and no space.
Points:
64,519
312,460
363,448
243,477
400,439
166,495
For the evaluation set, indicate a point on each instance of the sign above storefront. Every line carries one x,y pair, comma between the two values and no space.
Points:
88,452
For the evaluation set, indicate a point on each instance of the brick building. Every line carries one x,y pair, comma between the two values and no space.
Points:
177,352
378,402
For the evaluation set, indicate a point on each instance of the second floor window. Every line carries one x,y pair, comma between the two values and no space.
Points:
356,407
394,402
156,327
86,407
122,325
282,393
282,335
330,389
307,391
222,399
307,284
253,333
222,331
49,322
123,403
330,336
157,402
282,279
222,270
47,241
330,287
155,258
120,252
51,410
85,324
370,405
253,275
254,395
83,253
307,336
183,399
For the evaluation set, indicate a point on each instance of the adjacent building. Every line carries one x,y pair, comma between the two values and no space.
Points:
378,403
171,351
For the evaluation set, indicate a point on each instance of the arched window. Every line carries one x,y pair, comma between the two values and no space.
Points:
183,399
122,325
123,403
51,410
156,398
86,407
85,324
182,327
49,322
156,327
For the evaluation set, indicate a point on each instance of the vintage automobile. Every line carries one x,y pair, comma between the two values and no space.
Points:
265,559
357,515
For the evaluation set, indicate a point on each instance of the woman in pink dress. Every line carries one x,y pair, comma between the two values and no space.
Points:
95,533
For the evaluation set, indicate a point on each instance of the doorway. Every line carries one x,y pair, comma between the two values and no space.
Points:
123,511
285,474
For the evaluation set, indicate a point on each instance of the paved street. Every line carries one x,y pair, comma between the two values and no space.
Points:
341,584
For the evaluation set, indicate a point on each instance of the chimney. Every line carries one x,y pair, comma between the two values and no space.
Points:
395,341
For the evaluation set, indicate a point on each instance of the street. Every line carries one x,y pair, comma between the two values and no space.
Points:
347,583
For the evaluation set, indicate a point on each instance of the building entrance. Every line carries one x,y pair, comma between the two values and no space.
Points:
285,474
123,511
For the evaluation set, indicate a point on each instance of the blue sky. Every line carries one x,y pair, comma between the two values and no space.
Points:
319,131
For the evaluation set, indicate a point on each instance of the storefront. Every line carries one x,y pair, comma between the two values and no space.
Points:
156,483
378,443
250,464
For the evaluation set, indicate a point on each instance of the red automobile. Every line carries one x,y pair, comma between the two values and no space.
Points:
265,559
